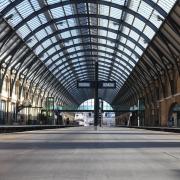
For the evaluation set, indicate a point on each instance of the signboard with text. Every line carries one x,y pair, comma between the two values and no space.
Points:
85,84
107,84
101,84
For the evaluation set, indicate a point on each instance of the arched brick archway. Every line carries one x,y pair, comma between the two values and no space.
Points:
170,115
174,115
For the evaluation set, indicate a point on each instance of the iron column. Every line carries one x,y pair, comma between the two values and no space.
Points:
96,99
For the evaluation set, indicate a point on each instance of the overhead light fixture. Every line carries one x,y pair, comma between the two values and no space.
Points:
22,76
9,17
13,71
29,40
3,65
159,18
145,41
115,23
60,23
41,55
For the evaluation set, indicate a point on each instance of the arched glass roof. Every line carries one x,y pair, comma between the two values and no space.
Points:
89,105
69,35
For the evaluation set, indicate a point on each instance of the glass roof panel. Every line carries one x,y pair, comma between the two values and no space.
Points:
125,25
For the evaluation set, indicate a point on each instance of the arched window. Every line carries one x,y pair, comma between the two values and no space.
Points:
89,105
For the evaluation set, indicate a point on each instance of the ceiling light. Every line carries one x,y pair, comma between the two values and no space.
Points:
29,40
60,23
9,17
115,24
159,18
41,55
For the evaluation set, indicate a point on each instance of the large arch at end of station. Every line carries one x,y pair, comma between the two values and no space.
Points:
87,118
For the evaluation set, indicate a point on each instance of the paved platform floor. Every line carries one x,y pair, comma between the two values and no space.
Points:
84,154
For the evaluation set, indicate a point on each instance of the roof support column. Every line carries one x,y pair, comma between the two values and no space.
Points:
96,98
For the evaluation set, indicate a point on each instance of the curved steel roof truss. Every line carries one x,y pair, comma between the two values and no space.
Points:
67,37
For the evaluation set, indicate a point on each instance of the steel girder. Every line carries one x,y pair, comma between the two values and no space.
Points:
162,53
20,60
40,76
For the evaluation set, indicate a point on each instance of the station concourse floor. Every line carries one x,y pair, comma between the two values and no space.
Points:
81,153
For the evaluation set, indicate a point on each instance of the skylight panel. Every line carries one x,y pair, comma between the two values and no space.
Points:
120,47
25,8
56,71
128,52
102,48
103,22
143,43
145,10
129,19
80,53
39,49
34,23
68,10
113,25
77,48
134,35
139,24
166,4
154,19
3,4
134,43
119,2
52,1
112,35
123,40
76,40
48,62
126,71
48,30
138,50
123,63
134,5
42,18
102,41
126,30
16,17
54,40
72,49
55,57
125,58
65,35
33,42
115,13
41,34
25,29
35,5
58,63
130,44
110,43
132,63
128,67
74,32
104,10
149,32
46,43
68,43
57,12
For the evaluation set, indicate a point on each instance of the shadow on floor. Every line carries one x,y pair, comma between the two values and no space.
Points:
99,133
86,145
